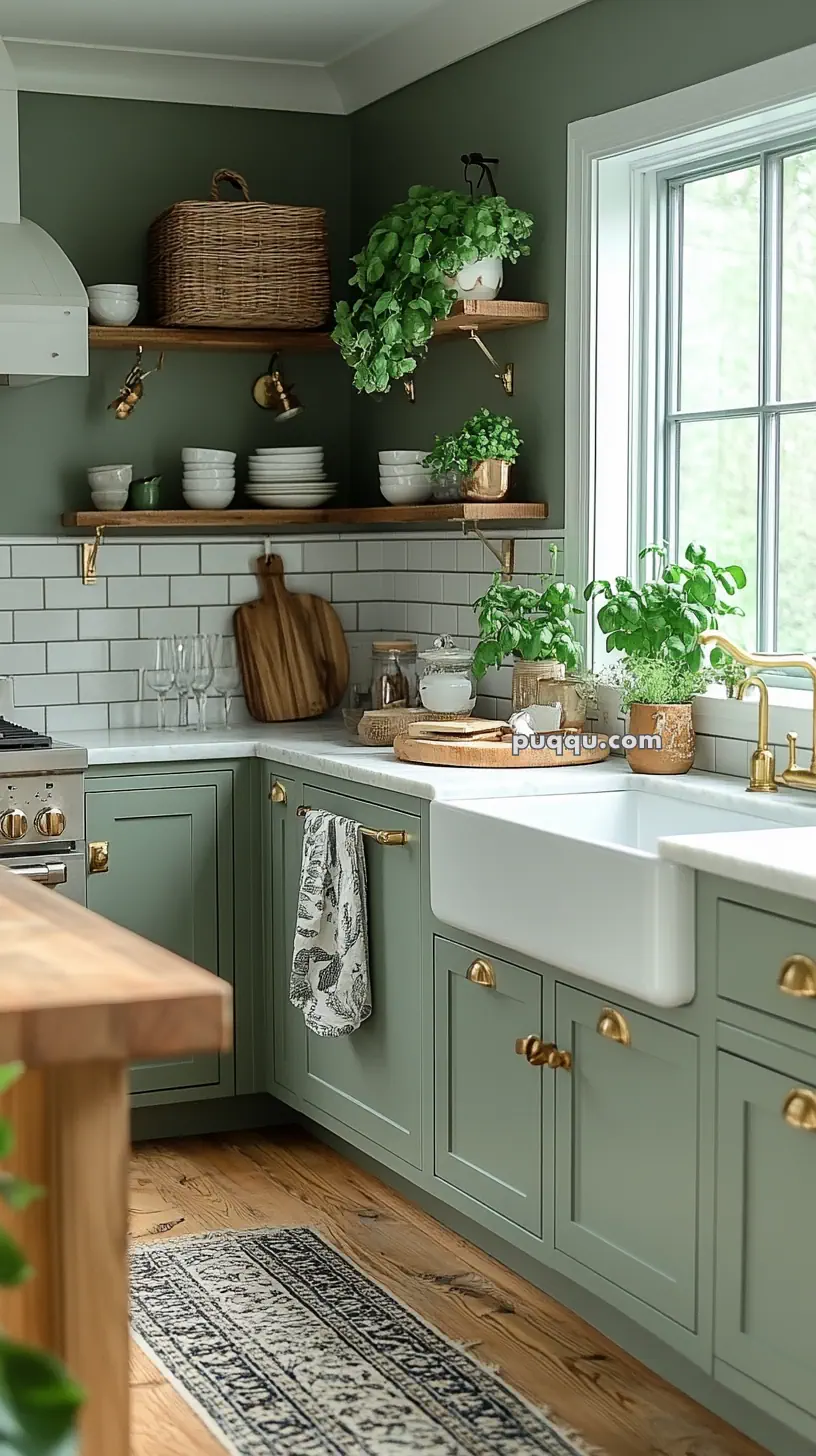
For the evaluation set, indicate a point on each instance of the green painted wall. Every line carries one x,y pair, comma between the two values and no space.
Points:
515,102
94,173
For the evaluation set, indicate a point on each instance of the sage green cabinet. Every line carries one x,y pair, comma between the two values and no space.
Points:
489,1101
169,879
285,1030
626,1151
766,1196
370,1082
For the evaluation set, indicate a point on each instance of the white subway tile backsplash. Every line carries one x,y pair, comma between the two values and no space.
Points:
419,555
118,558
317,584
215,619
418,617
77,656
362,586
45,561
77,718
347,612
5,561
22,657
470,556
108,687
455,588
166,622
732,756
16,594
444,619
6,626
136,715
40,691
45,626
199,591
33,718
370,556
528,555
330,556
70,591
139,591
704,755
443,556
243,589
132,653
180,559
108,622
234,558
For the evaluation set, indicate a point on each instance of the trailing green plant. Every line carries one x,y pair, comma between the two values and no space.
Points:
38,1402
657,680
485,436
663,619
403,277
530,625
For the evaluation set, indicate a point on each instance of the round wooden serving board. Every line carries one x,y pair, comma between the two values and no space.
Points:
491,755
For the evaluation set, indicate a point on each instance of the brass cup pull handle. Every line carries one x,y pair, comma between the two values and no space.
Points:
543,1054
797,977
614,1026
799,1109
277,793
481,973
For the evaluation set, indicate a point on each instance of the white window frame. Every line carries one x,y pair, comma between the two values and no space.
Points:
615,308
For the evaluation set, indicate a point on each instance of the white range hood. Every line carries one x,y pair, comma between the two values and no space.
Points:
43,303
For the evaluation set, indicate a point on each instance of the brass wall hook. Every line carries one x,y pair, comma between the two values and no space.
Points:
90,551
504,373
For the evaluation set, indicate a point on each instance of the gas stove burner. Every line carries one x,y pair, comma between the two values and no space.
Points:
12,736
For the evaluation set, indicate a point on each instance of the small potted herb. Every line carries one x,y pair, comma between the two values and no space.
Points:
482,453
406,277
535,627
657,628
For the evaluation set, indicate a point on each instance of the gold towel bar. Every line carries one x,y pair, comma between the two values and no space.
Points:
388,837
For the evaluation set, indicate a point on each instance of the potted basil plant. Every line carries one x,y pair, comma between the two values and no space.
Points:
656,627
405,277
482,453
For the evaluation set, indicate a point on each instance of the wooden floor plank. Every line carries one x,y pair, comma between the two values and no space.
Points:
162,1424
541,1348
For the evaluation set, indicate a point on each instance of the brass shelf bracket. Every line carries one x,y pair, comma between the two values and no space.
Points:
506,557
505,373
89,554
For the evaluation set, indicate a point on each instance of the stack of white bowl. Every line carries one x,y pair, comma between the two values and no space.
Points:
292,478
404,481
109,486
208,478
113,303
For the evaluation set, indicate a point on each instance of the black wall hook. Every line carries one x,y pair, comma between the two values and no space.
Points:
475,159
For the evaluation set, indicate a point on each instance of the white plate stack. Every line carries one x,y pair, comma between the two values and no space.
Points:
208,478
292,478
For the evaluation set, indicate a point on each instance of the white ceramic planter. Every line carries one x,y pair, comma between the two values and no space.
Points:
482,279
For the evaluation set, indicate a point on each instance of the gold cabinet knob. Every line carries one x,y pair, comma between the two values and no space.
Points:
481,973
614,1026
799,1109
98,857
13,824
559,1061
277,793
797,976
50,823
543,1053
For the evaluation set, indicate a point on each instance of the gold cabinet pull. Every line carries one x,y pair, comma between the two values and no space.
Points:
797,976
799,1109
481,973
277,793
391,838
614,1026
543,1054
98,857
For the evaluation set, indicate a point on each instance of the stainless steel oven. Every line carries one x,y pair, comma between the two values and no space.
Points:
64,873
42,810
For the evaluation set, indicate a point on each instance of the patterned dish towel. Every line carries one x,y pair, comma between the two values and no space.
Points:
330,981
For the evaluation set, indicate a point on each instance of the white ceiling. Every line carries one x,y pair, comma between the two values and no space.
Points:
301,55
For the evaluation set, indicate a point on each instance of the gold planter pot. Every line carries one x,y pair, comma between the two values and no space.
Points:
490,480
673,723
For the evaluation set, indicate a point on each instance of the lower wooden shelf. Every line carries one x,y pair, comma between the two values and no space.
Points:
356,516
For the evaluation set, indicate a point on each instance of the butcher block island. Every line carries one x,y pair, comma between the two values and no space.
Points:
81,998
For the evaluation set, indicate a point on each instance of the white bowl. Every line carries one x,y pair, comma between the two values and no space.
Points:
112,312
113,288
110,499
111,477
206,485
293,502
408,490
289,450
208,472
401,472
208,500
402,457
198,456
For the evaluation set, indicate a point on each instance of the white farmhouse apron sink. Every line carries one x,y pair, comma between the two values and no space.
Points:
576,880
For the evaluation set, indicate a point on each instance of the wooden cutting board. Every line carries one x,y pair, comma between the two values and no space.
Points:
451,754
292,650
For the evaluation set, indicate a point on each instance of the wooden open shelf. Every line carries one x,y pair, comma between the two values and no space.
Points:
517,511
466,314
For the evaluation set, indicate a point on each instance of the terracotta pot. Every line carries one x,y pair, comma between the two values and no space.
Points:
490,480
547,683
672,722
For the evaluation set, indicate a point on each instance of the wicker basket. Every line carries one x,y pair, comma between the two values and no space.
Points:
239,265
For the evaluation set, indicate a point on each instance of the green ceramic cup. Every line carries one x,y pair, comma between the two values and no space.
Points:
144,494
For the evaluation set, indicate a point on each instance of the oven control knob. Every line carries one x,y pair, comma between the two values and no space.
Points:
13,824
50,823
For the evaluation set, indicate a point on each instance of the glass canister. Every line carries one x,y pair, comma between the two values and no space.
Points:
446,683
393,674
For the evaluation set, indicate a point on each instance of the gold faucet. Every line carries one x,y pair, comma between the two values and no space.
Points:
763,777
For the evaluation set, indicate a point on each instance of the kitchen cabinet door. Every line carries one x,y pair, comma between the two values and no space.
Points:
287,1031
626,1151
766,1193
489,1101
169,878
371,1081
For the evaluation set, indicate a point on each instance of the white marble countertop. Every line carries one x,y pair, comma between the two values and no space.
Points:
774,859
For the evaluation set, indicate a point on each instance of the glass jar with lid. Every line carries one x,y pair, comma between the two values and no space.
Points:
446,683
393,674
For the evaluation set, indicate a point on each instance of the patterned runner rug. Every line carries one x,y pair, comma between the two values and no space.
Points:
283,1345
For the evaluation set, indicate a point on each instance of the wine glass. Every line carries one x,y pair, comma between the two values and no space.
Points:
160,676
182,648
201,675
226,672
